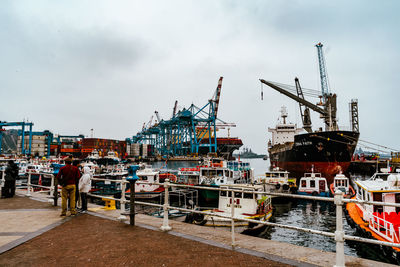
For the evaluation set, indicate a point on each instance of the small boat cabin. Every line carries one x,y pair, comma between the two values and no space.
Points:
313,184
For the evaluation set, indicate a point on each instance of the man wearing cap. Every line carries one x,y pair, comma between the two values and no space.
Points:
67,178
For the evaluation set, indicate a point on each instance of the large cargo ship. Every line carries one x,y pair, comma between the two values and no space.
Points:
300,150
326,152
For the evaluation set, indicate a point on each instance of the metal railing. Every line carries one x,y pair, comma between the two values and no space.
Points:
339,236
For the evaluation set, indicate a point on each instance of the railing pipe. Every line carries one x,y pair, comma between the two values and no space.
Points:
232,219
123,199
51,188
165,226
2,181
28,191
339,233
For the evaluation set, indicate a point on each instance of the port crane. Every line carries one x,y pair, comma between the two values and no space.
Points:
22,125
188,130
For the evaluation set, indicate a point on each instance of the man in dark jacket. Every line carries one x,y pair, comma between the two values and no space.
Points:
67,177
11,174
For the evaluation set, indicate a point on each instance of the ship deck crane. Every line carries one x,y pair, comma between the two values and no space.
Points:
328,113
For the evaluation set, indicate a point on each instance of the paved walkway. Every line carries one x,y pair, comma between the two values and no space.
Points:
32,233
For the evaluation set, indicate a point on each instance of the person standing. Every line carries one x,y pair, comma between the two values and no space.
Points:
67,178
76,163
85,184
11,174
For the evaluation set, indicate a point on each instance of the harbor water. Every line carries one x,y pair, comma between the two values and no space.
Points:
317,215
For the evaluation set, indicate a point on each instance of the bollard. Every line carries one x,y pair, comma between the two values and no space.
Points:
51,193
55,192
232,220
165,227
28,190
339,233
132,178
122,202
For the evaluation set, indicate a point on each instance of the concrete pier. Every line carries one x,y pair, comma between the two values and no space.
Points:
22,219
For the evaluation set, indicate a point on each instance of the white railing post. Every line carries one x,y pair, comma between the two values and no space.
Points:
165,226
232,220
2,181
123,199
28,190
51,194
339,233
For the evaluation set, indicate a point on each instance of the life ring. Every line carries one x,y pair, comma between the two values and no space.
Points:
277,186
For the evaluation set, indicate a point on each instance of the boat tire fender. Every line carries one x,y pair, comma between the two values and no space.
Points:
293,190
285,187
277,186
199,219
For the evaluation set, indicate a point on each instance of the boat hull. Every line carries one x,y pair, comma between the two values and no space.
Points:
327,152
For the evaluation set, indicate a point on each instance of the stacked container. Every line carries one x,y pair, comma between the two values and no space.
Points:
144,151
135,150
38,147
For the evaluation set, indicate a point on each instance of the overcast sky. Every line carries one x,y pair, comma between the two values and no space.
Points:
70,66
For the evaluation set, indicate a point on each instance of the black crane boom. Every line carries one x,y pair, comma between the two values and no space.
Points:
296,98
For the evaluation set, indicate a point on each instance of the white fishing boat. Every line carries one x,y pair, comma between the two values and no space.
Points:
313,184
247,201
342,183
145,187
278,181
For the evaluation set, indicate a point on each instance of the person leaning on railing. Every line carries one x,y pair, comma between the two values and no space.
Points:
67,177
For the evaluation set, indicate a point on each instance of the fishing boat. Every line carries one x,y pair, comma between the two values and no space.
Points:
224,173
313,184
278,181
376,221
248,204
189,175
145,187
342,183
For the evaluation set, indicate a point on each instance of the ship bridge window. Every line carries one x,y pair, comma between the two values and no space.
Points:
223,193
248,195
143,178
312,183
212,172
238,194
303,184
220,172
376,196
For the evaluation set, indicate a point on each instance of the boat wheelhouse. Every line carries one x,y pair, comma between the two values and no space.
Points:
313,184
342,183
278,181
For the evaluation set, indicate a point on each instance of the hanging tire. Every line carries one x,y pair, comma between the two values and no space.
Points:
285,187
199,219
277,186
189,218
